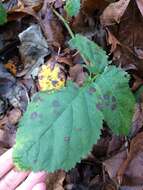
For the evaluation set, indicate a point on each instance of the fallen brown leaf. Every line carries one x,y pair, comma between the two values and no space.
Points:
52,28
113,13
32,3
139,52
77,74
14,115
137,119
33,49
112,40
90,6
55,180
140,5
127,168
115,144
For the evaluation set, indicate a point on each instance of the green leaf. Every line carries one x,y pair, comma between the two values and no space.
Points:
3,15
115,99
91,52
58,129
72,7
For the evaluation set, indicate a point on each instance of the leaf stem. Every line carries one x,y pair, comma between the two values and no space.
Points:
64,22
69,30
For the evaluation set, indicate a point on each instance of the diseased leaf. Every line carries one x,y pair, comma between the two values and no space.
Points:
72,7
51,76
32,50
91,52
58,129
3,15
113,94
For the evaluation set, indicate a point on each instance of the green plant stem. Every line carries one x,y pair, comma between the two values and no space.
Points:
64,22
69,30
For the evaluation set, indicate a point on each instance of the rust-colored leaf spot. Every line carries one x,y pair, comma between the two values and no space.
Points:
100,106
106,96
55,103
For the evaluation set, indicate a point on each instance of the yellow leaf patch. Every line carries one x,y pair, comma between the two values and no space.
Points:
51,78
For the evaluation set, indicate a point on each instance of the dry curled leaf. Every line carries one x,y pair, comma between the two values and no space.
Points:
137,119
140,5
52,28
112,40
132,178
90,6
136,147
32,3
113,13
33,49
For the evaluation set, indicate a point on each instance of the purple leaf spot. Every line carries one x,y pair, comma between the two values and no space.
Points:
113,106
34,115
113,99
100,106
67,139
91,90
106,97
54,82
55,103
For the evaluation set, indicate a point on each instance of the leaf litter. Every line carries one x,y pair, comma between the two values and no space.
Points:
40,37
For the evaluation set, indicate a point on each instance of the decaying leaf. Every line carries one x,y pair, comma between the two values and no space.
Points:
55,180
137,119
91,6
8,128
7,138
33,49
52,28
77,74
11,65
51,76
32,3
112,40
128,167
139,52
140,5
11,90
113,13
7,81
14,115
